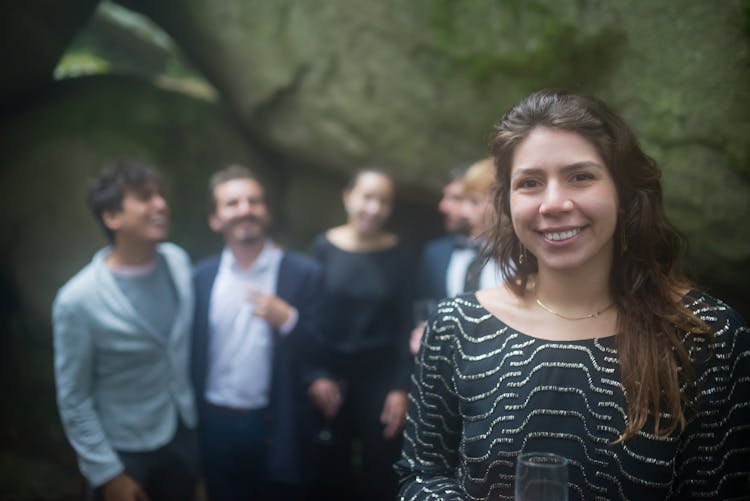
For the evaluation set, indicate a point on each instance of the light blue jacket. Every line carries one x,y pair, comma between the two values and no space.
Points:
120,385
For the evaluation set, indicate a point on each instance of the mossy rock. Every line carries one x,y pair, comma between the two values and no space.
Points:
52,149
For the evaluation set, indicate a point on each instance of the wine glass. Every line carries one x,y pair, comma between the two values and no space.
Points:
541,476
325,435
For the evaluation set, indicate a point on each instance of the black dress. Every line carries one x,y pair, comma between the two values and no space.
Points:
484,393
367,320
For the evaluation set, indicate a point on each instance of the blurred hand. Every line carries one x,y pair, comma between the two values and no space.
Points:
326,395
416,338
270,308
394,413
123,488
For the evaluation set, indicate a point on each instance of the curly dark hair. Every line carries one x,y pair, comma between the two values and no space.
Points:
107,190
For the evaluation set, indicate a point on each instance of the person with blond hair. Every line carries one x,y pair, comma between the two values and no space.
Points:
479,188
443,263
471,268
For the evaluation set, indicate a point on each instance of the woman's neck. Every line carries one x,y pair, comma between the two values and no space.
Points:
572,293
348,238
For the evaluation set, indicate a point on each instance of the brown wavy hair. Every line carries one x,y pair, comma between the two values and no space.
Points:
647,277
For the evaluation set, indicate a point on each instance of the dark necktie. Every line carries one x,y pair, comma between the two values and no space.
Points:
473,272
463,242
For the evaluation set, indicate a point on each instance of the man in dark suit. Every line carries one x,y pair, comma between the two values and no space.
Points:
256,307
438,276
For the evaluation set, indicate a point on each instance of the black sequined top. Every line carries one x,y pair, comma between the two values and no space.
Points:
482,393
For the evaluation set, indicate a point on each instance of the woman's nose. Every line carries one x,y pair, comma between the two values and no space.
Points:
374,207
556,199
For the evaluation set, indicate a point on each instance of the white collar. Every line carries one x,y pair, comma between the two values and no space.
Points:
261,263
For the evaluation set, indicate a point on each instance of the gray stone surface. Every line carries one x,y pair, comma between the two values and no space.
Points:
417,85
50,150
33,36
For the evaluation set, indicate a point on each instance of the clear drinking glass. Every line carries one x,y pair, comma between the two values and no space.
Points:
541,476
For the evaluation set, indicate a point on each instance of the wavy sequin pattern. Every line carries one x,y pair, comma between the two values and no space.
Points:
483,393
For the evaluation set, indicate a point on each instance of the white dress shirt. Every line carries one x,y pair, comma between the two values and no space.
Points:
491,276
455,277
458,265
240,343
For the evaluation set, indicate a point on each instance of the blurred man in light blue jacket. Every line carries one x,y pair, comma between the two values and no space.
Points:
122,339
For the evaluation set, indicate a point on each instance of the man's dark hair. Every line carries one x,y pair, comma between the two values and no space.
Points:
107,190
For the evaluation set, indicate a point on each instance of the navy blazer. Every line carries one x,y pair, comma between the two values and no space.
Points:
433,268
300,284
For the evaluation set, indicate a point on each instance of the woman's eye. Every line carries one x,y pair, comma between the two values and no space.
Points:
582,176
527,183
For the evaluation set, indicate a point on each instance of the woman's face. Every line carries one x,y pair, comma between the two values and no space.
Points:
563,200
369,202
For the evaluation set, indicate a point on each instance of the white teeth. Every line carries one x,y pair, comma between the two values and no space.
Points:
562,235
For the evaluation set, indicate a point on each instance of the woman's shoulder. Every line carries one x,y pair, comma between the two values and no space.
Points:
729,332
321,243
334,239
332,235
464,310
713,311
454,319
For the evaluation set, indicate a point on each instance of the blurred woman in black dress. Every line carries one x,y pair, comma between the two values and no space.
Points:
361,386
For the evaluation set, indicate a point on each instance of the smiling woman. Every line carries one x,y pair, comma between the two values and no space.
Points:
564,201
596,349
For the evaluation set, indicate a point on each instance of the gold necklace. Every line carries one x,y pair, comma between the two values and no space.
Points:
565,317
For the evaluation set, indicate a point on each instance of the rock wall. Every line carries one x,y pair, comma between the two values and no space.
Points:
51,149
417,85
325,87
33,36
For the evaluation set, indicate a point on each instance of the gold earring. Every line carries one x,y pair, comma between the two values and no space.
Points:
522,256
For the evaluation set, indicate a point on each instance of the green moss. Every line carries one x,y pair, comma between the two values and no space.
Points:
552,52
564,58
